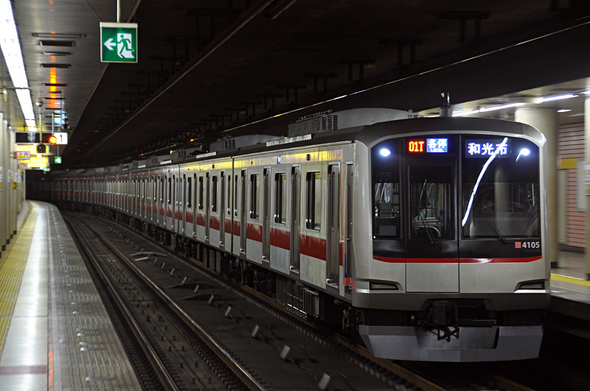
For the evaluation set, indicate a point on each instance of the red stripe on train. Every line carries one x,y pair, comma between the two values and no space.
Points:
458,260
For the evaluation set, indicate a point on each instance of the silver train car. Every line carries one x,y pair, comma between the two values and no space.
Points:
424,236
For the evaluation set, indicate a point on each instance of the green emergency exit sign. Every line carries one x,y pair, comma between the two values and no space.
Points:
118,42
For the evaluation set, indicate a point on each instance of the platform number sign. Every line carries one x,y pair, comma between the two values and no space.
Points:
118,42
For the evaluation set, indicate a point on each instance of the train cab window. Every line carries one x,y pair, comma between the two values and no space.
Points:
501,193
254,196
386,190
280,198
431,201
313,215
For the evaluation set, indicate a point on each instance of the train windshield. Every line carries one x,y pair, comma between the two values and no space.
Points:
500,182
431,201
487,186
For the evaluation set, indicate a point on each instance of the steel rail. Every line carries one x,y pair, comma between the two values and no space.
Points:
165,378
242,373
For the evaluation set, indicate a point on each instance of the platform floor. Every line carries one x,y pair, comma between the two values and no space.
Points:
55,334
570,290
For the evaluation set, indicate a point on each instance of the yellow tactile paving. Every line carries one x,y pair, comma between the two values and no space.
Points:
12,267
571,280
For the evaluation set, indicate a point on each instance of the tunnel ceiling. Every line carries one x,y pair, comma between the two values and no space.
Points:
212,68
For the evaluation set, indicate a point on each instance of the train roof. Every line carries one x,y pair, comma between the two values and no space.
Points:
369,135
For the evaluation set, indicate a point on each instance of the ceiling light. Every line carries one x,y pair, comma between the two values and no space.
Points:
564,110
557,97
55,65
56,54
466,112
58,35
501,107
487,109
14,61
50,42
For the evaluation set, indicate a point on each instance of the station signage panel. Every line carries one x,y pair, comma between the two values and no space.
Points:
62,138
23,155
118,42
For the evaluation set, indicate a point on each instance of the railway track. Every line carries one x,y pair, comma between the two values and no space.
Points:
197,330
174,356
260,341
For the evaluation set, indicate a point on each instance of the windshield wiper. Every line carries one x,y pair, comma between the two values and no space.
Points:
493,227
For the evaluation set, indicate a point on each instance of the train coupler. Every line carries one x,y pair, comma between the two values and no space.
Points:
443,318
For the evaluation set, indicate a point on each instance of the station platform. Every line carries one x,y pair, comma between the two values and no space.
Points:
55,333
570,291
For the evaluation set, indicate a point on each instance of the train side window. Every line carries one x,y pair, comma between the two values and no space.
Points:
254,196
201,190
313,212
162,184
169,198
280,199
214,193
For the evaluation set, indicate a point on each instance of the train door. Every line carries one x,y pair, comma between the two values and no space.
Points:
221,211
169,218
188,205
228,212
295,218
432,259
207,206
155,199
178,204
348,227
242,212
266,212
162,213
333,228
201,201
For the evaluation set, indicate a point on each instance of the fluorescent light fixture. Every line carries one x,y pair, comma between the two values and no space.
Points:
14,60
557,97
466,112
564,110
501,107
487,109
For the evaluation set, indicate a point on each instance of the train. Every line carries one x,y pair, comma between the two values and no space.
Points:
425,237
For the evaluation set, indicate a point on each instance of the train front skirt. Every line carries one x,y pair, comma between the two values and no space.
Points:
472,344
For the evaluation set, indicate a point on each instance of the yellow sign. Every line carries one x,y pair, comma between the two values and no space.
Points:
38,162
31,148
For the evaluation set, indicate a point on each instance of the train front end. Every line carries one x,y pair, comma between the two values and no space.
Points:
456,266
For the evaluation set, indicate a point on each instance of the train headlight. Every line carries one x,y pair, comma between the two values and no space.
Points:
384,152
532,285
523,152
